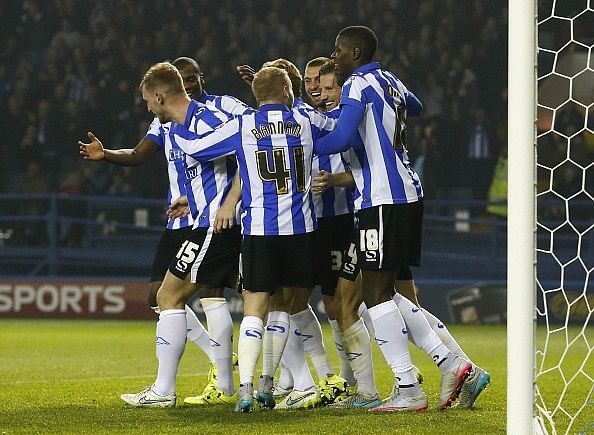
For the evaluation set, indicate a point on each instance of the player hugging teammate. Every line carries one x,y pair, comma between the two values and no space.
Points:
356,155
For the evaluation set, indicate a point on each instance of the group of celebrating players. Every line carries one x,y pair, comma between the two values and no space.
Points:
325,196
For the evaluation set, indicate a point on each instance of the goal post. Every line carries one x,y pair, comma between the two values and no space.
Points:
550,330
521,224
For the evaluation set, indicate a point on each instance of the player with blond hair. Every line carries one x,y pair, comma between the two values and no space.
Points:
205,260
274,149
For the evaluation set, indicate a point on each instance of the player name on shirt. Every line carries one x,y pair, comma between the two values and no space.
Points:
270,128
275,169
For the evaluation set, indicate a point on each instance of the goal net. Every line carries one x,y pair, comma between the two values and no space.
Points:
564,363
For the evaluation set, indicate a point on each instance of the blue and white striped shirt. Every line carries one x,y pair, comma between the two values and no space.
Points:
274,148
176,160
225,103
334,201
379,159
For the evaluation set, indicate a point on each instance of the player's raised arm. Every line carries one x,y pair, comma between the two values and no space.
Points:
94,150
222,141
246,72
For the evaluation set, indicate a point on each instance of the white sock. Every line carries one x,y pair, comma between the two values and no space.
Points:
220,328
445,336
419,330
197,334
391,336
170,343
294,357
364,314
249,344
275,339
346,372
285,378
357,346
311,332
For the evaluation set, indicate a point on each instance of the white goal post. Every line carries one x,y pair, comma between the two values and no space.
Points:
521,273
550,375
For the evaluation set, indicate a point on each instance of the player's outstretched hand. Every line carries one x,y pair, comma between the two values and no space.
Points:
178,208
320,182
225,217
246,73
92,150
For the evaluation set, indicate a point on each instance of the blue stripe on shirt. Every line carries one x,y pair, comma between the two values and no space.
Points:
298,219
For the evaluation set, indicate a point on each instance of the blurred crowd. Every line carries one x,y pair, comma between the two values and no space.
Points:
72,66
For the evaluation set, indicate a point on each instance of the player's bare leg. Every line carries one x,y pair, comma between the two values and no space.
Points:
347,299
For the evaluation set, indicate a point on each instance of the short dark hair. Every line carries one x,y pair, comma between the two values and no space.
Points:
328,68
182,62
316,61
361,37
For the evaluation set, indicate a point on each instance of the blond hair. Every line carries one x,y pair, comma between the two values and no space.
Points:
291,69
269,83
164,76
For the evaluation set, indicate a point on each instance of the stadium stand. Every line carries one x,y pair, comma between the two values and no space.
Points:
65,66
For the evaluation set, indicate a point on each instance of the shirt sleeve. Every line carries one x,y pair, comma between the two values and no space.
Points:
154,133
208,119
219,142
334,113
233,106
321,123
353,93
346,126
414,107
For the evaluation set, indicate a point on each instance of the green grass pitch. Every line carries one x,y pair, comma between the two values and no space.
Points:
66,377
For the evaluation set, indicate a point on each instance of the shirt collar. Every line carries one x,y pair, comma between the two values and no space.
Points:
273,106
203,97
367,67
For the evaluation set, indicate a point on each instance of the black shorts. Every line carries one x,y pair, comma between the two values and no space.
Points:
169,244
209,258
271,262
350,270
332,239
389,236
